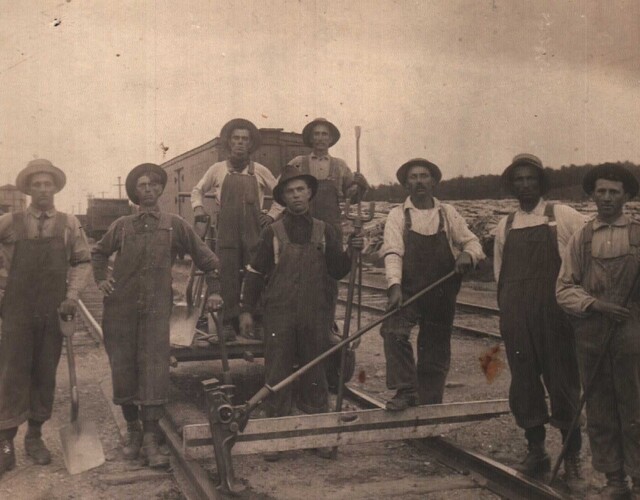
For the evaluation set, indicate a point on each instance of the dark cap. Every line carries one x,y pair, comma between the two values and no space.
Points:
525,159
610,172
139,171
241,123
289,173
402,172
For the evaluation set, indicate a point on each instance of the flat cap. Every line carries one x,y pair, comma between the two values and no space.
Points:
525,159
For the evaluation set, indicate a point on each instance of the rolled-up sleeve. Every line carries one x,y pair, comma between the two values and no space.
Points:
79,259
204,185
462,237
102,250
570,294
393,246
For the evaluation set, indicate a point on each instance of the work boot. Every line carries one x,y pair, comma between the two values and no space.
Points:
402,400
150,452
635,491
573,472
536,461
35,447
133,440
7,456
325,452
617,487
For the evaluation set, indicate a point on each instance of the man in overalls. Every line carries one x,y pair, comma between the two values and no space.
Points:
239,185
48,261
299,255
138,301
424,240
538,337
599,268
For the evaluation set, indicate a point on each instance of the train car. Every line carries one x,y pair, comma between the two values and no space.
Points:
101,212
11,199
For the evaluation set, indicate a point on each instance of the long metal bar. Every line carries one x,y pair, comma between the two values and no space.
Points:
88,317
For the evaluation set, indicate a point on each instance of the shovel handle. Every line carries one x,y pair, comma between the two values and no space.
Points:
75,402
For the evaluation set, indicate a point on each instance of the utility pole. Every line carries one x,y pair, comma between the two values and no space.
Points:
119,184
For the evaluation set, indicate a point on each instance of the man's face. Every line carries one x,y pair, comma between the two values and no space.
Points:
420,182
525,180
296,196
321,137
610,198
240,143
42,188
148,190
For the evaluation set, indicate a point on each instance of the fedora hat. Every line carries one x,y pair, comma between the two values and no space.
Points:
402,172
307,131
525,159
139,171
610,172
236,123
40,166
290,173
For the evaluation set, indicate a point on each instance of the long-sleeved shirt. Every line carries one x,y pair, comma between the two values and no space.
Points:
214,177
425,222
184,240
78,251
609,241
298,228
568,221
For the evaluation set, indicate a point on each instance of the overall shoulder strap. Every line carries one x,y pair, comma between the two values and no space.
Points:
19,225
509,224
280,239
440,219
60,225
634,234
407,225
549,213
252,168
334,168
304,164
587,237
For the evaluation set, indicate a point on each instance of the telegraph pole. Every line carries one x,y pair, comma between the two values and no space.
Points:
119,184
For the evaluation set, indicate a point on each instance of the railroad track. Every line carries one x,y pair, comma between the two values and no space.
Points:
196,483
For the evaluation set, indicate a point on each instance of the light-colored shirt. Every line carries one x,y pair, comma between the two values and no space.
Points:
609,241
78,252
426,222
568,221
214,177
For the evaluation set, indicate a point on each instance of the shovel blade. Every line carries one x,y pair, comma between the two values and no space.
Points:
81,446
182,326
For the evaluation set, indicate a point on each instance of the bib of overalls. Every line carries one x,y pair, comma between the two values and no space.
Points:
238,219
325,205
37,280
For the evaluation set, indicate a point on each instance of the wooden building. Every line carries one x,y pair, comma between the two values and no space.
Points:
184,171
11,199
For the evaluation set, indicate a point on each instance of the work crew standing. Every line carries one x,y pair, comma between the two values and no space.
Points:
48,261
538,337
138,301
424,240
239,185
599,268
298,255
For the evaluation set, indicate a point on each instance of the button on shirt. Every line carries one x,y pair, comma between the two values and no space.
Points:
609,241
78,251
568,221
426,222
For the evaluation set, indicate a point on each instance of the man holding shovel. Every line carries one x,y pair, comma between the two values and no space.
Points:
298,255
539,340
423,241
597,286
138,301
48,260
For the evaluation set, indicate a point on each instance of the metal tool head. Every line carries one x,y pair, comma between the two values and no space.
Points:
81,446
360,218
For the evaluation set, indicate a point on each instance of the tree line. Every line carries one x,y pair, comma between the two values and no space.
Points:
565,184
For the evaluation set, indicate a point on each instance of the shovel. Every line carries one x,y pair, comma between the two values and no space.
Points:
81,446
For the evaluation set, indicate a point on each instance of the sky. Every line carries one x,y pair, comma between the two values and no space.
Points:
100,86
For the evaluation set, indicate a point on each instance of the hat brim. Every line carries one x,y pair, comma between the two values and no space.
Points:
139,171
433,169
278,191
22,181
611,172
241,123
307,132
505,178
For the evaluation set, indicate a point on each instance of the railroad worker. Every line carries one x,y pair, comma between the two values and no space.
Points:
239,185
297,255
138,301
600,264
424,240
48,261
538,337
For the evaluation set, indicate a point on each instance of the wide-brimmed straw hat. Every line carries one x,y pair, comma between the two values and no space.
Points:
433,169
241,123
610,172
525,159
290,173
139,171
40,166
307,131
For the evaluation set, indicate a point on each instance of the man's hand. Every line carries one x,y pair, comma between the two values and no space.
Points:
611,310
356,243
106,286
464,263
67,309
395,297
264,220
199,215
214,302
245,322
361,182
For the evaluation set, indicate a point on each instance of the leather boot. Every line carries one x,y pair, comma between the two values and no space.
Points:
7,456
35,447
617,487
537,460
402,400
132,441
573,472
150,451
